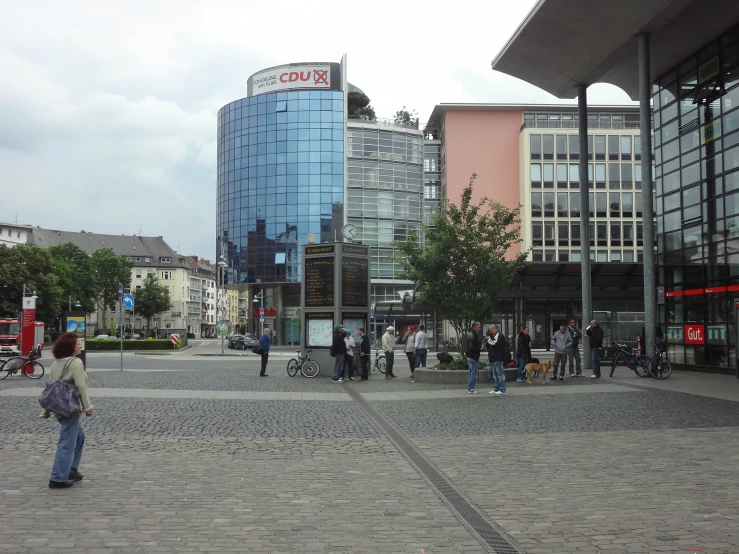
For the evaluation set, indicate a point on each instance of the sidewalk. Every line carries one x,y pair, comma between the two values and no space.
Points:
724,387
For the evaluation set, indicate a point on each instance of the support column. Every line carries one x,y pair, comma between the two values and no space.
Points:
645,119
587,299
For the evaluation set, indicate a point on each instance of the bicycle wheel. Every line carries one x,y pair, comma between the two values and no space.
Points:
310,369
4,372
641,368
380,365
660,368
615,363
33,370
292,367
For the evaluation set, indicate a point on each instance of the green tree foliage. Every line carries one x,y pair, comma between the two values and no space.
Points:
32,266
109,270
405,118
74,269
358,107
462,267
151,299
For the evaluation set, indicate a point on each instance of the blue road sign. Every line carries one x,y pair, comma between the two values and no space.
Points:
120,290
128,301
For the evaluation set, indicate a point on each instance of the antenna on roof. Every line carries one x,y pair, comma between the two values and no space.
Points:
139,229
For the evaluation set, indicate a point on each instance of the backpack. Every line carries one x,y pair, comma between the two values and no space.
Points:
445,357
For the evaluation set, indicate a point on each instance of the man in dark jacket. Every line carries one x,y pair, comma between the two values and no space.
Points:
595,332
364,353
496,345
523,352
474,347
265,343
573,352
338,351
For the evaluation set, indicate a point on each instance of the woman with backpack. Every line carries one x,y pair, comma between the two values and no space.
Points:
69,368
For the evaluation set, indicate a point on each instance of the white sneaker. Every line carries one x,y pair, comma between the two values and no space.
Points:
593,376
340,380
493,392
500,393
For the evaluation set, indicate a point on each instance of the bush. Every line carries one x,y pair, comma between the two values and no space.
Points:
459,364
112,345
47,338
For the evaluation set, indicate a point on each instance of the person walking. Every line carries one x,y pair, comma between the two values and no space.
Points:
421,348
388,344
364,353
265,343
523,352
573,352
67,367
349,356
496,346
338,351
474,347
595,332
561,340
410,347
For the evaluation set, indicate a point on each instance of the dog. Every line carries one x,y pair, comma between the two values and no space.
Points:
541,369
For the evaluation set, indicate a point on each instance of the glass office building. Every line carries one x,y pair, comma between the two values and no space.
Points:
696,153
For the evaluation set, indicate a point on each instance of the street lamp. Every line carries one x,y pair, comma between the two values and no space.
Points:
259,299
222,265
76,304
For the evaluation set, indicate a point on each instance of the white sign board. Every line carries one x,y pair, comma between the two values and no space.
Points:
291,77
320,332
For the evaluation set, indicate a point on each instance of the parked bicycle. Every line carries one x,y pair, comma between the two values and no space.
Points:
307,367
639,364
659,366
27,365
380,364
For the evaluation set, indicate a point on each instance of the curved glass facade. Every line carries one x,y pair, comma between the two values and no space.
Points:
280,179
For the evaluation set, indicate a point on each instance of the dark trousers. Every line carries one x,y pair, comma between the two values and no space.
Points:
348,363
411,360
389,359
365,361
559,359
265,357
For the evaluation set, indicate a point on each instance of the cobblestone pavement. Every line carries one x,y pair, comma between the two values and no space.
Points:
646,470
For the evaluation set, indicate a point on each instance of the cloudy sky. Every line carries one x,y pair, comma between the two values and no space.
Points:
108,110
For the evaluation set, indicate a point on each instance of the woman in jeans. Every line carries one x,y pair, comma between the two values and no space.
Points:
410,347
71,438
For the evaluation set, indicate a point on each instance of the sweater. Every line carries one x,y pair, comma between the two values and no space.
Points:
388,342
76,374
265,343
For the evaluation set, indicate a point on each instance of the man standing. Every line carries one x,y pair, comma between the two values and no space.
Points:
595,332
364,353
474,346
338,351
573,352
349,354
523,352
562,341
388,344
264,342
496,352
421,348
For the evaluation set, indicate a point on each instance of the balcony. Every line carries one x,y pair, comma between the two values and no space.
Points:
383,122
573,124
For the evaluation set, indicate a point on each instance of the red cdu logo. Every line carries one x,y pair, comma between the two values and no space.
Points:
320,77
695,334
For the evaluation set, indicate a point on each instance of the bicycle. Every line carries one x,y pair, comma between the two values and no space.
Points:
27,365
380,363
659,366
308,368
638,364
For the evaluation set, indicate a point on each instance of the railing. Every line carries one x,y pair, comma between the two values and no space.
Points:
384,122
574,125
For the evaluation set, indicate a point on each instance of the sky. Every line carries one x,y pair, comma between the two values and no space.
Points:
108,110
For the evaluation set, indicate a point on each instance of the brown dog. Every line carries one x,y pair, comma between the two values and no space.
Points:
542,369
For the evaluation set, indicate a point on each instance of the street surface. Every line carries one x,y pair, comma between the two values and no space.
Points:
196,453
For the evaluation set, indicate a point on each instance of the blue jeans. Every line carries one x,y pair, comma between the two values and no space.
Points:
496,370
521,368
473,373
595,357
339,361
68,449
421,359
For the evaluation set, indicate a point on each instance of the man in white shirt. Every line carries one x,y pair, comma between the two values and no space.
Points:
388,346
421,347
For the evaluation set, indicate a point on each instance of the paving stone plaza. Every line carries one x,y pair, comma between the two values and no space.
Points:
197,454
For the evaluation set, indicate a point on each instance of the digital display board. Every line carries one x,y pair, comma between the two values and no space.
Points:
354,282
319,282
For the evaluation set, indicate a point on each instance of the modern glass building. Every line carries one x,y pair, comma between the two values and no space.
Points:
280,182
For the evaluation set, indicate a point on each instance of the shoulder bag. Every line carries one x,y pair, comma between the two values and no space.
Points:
61,397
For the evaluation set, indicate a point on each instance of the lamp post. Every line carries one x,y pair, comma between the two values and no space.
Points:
222,265
76,304
259,299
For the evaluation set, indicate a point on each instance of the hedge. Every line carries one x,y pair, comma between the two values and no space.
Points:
106,344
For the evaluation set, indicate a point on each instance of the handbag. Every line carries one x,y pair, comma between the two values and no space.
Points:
257,349
61,397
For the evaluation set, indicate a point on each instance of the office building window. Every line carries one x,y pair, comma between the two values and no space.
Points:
563,234
561,147
561,176
575,204
536,175
549,233
548,204
574,176
535,142
625,147
575,234
548,146
536,204
614,176
614,201
536,234
562,204
600,147
613,147
574,141
548,176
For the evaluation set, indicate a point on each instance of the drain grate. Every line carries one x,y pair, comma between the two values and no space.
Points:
490,535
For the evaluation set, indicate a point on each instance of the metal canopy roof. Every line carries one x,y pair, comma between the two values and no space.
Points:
565,43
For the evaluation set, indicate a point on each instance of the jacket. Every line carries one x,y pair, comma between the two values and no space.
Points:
388,342
410,342
523,346
338,346
596,336
561,341
421,341
473,346
265,343
575,334
364,345
75,374
496,347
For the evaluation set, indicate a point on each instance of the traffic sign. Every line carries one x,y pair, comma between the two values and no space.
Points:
261,313
120,290
128,301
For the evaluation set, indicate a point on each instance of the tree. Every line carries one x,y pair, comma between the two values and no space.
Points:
151,299
109,270
76,274
358,107
404,118
462,267
32,266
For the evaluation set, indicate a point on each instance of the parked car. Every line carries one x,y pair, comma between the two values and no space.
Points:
247,342
233,339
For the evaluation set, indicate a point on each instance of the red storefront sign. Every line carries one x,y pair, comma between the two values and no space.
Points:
28,325
268,312
695,334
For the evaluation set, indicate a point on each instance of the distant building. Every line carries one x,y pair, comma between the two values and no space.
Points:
12,234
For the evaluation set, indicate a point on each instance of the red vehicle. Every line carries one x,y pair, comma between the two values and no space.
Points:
10,338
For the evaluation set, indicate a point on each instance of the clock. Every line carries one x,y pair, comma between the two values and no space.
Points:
350,231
